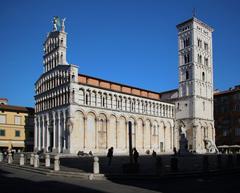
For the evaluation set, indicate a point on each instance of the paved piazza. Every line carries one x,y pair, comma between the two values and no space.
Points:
18,181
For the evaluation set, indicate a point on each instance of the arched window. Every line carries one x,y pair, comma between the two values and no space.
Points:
87,99
103,102
187,75
203,76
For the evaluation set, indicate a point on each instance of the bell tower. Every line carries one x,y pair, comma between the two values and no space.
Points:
194,107
55,46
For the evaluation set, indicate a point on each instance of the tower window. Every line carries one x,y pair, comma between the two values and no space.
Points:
187,75
203,106
186,58
206,61
203,76
199,41
205,46
186,42
199,59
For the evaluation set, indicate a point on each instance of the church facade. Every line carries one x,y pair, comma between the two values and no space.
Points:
77,112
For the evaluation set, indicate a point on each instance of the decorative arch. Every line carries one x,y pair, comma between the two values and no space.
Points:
162,136
121,132
133,123
155,135
169,136
81,96
77,136
112,131
90,135
102,131
147,134
94,97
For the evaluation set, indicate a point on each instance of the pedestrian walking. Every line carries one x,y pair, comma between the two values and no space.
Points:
110,155
135,155
154,154
175,151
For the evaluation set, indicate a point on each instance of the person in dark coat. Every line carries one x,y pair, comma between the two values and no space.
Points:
135,155
110,155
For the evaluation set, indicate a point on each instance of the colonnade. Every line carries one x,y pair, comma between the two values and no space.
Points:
51,133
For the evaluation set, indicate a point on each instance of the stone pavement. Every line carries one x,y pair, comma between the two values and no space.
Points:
82,167
19,181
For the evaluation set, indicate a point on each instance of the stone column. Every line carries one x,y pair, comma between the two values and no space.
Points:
107,132
64,130
47,133
54,131
117,127
22,159
59,132
56,163
158,139
36,161
10,158
126,135
96,165
43,132
172,136
164,138
1,156
84,132
96,132
39,133
143,129
35,133
32,159
151,135
47,160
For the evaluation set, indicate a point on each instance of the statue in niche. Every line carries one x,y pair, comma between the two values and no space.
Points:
183,142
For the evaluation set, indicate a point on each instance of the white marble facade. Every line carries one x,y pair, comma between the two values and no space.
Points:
74,116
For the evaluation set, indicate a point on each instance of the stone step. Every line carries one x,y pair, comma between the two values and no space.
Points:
51,172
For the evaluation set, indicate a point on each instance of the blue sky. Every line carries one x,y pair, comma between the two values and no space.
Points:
132,42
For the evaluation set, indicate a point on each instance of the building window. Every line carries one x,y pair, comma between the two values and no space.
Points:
237,107
203,76
3,119
103,102
205,46
206,61
186,58
199,43
186,42
225,132
17,120
178,106
87,98
203,106
199,59
2,132
187,75
237,131
17,133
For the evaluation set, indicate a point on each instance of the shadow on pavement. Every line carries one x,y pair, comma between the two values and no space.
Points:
19,185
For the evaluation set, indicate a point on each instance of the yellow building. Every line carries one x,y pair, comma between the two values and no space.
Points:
16,127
